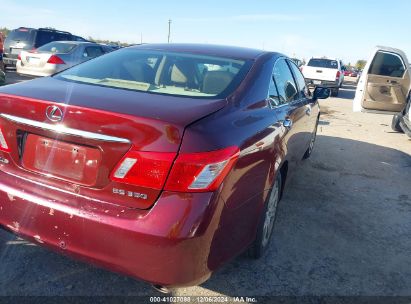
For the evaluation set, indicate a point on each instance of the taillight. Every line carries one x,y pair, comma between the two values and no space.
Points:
301,69
3,143
18,57
54,59
201,172
145,169
191,172
338,75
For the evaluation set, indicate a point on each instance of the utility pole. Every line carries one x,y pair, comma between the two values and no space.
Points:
169,30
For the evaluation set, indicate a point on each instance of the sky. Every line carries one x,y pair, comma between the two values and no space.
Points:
346,29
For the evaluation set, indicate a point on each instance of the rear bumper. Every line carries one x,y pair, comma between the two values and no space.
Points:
9,61
322,83
47,70
168,244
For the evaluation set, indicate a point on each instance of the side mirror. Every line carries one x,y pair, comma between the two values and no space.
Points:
321,93
290,91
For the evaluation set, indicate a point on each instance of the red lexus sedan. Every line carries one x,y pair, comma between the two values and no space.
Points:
161,162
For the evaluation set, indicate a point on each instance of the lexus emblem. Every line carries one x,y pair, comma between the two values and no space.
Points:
54,113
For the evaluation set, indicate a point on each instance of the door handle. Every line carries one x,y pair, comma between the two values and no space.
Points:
308,110
288,123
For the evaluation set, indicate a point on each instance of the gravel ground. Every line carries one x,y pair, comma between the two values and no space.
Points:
343,227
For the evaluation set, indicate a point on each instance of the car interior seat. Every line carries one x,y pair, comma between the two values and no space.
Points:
216,82
136,71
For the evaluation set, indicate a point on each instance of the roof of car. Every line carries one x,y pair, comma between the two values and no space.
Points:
74,42
206,49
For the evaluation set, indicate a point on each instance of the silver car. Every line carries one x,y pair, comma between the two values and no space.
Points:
56,56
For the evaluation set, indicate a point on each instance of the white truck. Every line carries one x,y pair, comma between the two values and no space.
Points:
385,87
324,72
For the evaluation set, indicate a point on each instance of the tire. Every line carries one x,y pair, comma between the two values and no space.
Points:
310,148
395,123
334,92
266,225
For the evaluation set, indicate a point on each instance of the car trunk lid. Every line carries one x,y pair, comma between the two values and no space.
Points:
72,136
34,59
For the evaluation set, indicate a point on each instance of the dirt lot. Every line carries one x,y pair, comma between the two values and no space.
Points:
343,227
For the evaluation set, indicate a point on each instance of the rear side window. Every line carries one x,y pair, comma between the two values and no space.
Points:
93,51
273,94
57,47
387,64
19,35
285,82
323,63
299,78
44,37
162,72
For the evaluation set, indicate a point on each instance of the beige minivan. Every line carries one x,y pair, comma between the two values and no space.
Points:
384,87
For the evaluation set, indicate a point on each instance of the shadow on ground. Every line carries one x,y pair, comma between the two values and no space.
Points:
343,228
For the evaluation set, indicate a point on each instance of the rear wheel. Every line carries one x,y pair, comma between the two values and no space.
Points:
395,123
335,91
266,225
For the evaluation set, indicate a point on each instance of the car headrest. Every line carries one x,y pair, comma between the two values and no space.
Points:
138,71
216,82
177,75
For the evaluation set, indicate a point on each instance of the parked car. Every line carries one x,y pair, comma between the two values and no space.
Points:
324,72
2,76
1,43
384,87
28,39
57,56
147,162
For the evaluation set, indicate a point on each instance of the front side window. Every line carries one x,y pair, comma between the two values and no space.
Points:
299,78
285,82
160,72
387,64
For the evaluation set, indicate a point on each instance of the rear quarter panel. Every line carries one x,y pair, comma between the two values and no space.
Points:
249,123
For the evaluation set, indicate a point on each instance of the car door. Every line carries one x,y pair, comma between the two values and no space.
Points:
290,111
305,100
385,82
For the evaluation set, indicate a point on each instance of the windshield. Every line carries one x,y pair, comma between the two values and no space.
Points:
323,63
19,35
166,73
57,47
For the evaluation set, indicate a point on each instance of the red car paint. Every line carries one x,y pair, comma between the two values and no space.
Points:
172,238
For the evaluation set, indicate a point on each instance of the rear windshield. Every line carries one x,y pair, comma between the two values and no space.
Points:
44,37
57,47
19,35
165,73
323,63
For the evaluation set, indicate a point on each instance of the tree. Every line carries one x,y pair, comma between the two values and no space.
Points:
5,31
360,64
